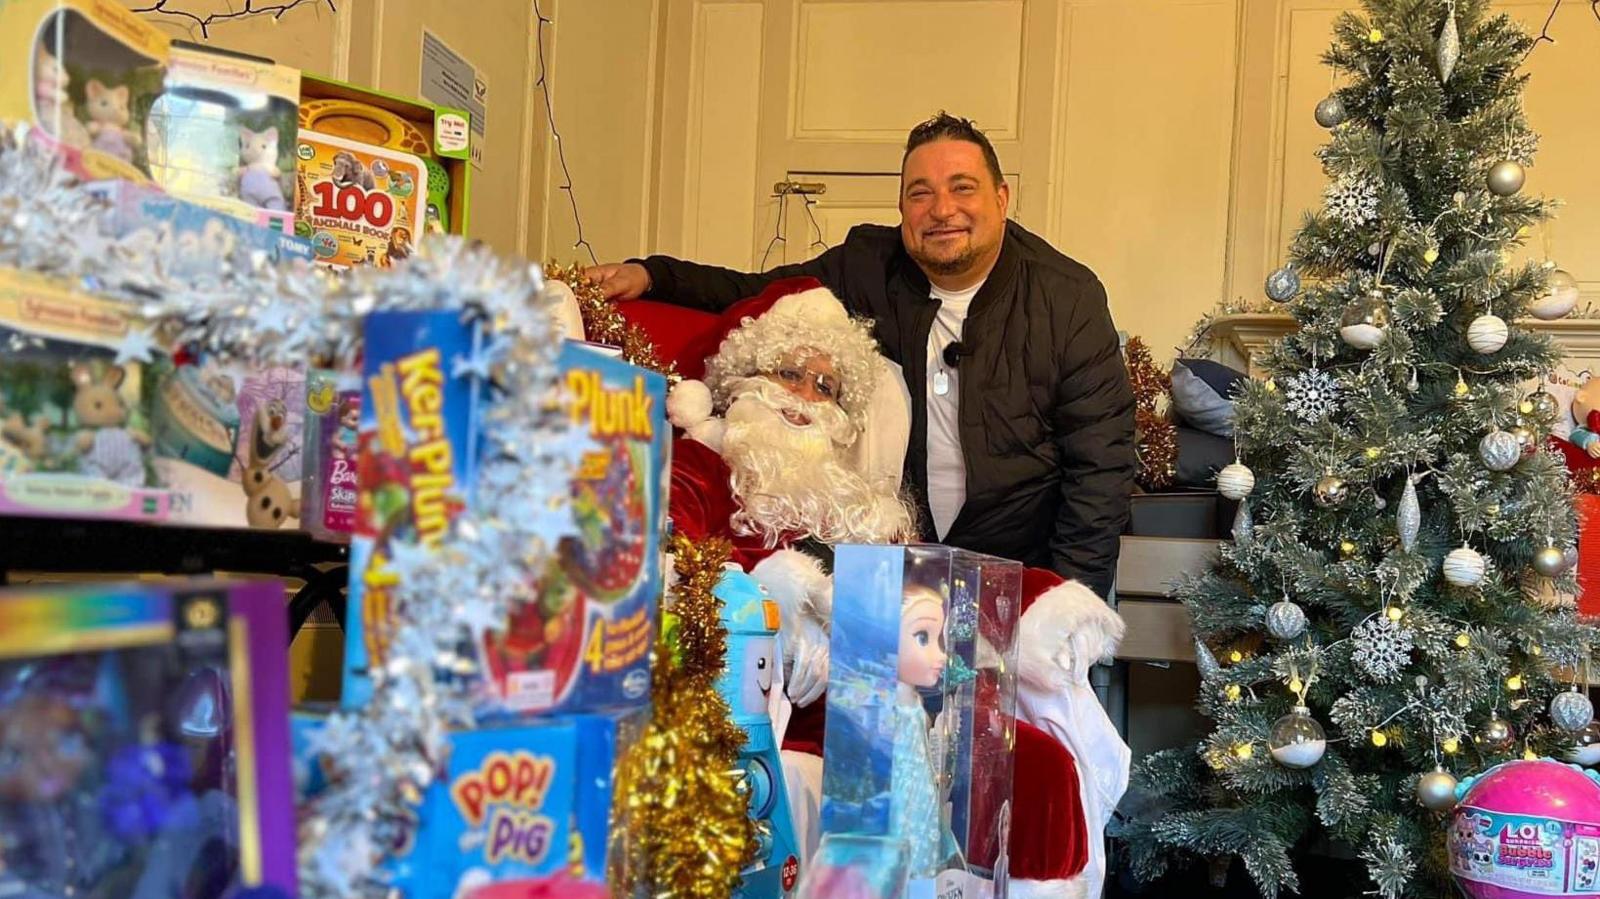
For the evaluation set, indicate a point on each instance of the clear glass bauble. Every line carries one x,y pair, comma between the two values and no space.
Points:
1297,740
1365,322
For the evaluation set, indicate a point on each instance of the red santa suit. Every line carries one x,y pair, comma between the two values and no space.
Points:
1059,810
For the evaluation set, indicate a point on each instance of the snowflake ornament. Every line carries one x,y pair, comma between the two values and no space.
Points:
1382,649
1352,200
1312,395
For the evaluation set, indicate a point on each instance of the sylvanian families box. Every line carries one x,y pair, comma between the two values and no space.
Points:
222,133
87,73
78,379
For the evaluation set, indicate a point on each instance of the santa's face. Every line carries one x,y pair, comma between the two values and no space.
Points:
768,418
808,375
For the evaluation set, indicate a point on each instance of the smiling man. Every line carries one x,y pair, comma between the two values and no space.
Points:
1022,415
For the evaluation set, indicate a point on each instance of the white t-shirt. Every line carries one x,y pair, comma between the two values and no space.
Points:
947,467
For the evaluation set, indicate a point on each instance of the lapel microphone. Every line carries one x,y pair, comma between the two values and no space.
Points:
953,351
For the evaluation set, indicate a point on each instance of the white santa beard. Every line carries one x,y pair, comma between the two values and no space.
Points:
789,479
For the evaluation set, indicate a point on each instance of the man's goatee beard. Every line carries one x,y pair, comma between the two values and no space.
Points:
789,479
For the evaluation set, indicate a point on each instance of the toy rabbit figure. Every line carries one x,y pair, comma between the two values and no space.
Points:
108,449
108,120
914,806
50,102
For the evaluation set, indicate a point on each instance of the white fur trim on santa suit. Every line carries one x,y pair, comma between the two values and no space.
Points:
1076,888
1064,633
567,313
688,403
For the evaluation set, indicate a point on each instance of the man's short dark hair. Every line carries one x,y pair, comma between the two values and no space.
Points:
945,126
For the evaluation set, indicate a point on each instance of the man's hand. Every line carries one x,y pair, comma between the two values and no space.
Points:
1593,449
620,280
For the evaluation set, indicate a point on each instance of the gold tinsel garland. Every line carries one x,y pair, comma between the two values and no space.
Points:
602,323
680,802
1155,438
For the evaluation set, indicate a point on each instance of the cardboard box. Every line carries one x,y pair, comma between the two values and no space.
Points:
150,721
75,423
332,436
223,133
437,135
87,73
359,204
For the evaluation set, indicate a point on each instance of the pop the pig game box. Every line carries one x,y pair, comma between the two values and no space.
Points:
144,730
585,644
418,451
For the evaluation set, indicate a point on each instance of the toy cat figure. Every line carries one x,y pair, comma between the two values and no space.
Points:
108,450
51,106
259,183
108,120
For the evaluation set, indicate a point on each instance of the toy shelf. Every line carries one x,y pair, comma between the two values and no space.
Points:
77,546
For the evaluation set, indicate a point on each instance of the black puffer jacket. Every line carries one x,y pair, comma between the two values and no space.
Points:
1046,416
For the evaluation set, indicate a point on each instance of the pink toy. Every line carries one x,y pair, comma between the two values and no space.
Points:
1527,829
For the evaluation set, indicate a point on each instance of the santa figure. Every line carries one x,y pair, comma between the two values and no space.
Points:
794,437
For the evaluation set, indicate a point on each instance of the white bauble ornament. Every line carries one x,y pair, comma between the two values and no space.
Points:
1463,567
1286,620
1571,711
1297,740
1499,450
1487,334
1436,790
1236,481
1560,298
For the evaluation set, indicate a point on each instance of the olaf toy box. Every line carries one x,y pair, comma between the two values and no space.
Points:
76,402
585,644
86,73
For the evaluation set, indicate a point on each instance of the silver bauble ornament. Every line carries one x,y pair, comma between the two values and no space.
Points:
1205,661
1408,517
1571,555
1560,298
1487,334
1586,748
1498,735
1283,285
1499,450
1331,491
1297,740
1550,561
1243,525
1527,443
1571,711
1235,481
1285,620
1448,48
1365,321
1545,405
1436,790
1463,567
1330,112
1506,178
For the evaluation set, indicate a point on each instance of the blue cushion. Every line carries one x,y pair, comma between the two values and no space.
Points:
1202,394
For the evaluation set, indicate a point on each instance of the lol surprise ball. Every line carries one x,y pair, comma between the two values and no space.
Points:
914,805
1526,829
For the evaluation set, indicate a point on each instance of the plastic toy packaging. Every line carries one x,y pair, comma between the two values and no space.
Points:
849,866
921,710
87,73
143,742
75,407
222,133
332,435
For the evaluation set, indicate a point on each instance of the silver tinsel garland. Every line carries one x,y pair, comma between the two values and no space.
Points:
239,306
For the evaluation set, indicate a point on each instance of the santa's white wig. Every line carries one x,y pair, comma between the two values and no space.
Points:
811,320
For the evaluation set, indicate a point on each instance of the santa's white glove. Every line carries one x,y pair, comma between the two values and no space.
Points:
804,595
